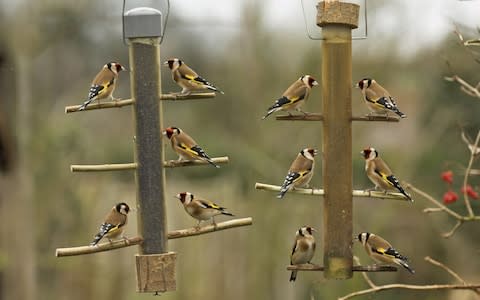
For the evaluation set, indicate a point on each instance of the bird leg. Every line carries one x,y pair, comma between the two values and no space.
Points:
198,225
213,223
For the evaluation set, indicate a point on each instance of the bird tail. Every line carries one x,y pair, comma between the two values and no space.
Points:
404,264
210,161
293,276
84,105
97,239
224,212
269,112
402,115
211,87
393,180
283,191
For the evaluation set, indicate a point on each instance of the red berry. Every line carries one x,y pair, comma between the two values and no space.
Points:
450,197
447,176
469,191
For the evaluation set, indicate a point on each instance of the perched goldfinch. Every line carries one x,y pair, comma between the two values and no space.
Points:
187,79
114,223
185,146
303,249
201,209
103,84
380,174
381,250
300,172
378,100
294,96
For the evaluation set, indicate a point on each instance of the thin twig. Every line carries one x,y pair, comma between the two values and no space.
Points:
321,192
432,209
175,234
450,271
469,89
189,163
364,274
467,171
453,230
371,268
433,200
472,287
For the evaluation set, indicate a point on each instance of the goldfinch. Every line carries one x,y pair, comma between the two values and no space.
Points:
185,146
114,223
303,249
378,100
187,79
381,250
294,96
201,209
300,172
103,84
380,174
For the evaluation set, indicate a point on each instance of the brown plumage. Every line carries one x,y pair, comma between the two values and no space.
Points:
185,146
300,172
303,248
378,99
103,84
114,223
201,209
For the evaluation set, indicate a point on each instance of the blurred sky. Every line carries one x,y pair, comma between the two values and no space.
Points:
418,23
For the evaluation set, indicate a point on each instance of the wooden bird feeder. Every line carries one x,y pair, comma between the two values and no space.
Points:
155,265
337,20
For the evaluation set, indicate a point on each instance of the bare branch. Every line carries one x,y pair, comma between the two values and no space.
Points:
474,151
453,230
469,89
472,287
450,271
319,117
372,268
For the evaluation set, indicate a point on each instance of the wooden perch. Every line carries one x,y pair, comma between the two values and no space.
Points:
372,268
133,166
319,117
321,192
209,228
126,102
107,246
188,163
103,168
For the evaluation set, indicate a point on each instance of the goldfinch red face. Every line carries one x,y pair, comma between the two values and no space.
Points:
114,67
171,131
309,153
369,153
185,197
309,80
122,208
173,63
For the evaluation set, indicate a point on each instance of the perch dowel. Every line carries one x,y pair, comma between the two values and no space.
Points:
372,268
126,102
321,192
101,105
320,117
103,168
209,228
188,163
107,246
133,166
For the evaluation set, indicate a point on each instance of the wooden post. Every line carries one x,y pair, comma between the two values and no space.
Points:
154,263
337,20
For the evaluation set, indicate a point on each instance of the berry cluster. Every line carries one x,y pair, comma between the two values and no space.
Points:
450,196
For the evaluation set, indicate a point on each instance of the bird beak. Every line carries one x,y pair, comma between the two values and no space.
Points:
355,239
176,196
356,86
315,83
164,132
124,69
165,63
362,152
315,151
